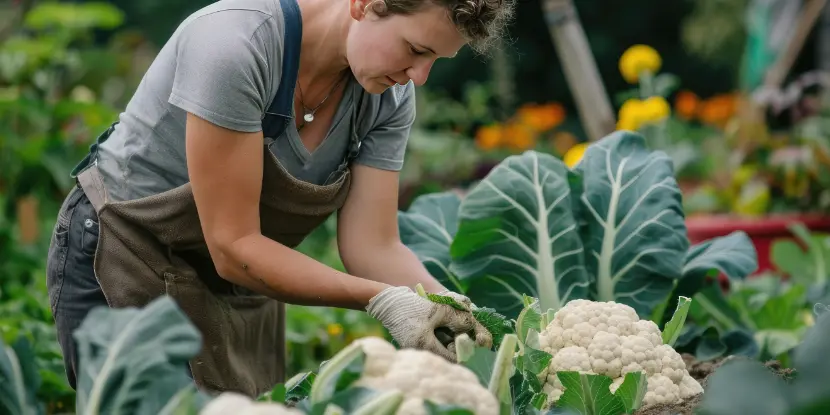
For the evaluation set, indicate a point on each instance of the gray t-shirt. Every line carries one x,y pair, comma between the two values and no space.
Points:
223,64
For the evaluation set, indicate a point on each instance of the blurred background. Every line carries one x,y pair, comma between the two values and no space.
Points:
732,90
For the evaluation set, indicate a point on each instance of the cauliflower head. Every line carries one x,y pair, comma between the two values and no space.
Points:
608,338
236,403
421,375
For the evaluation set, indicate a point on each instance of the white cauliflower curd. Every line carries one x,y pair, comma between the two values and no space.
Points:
421,375
238,404
608,338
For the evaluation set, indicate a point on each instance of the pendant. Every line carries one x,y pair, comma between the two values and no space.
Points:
309,117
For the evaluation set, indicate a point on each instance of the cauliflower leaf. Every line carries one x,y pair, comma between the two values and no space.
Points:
428,228
591,394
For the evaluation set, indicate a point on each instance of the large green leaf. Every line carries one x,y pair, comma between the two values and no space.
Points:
518,234
127,354
734,255
635,233
428,228
589,394
19,379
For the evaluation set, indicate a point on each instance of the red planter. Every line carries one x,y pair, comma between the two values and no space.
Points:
762,231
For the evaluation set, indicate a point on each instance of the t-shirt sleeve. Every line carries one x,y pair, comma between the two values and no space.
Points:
221,70
384,146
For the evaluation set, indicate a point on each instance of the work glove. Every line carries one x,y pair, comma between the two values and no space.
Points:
413,320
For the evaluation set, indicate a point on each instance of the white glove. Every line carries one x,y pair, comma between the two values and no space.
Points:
459,298
412,320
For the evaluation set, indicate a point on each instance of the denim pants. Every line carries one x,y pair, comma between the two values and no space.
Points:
70,279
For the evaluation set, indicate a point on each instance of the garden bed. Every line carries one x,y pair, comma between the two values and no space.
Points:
701,371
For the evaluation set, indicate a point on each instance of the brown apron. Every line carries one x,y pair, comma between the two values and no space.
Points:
154,245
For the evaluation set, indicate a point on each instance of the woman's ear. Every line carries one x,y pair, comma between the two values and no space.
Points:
357,8
361,8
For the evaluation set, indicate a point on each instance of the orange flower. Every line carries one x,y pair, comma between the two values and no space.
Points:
686,104
718,109
519,137
489,137
541,117
563,141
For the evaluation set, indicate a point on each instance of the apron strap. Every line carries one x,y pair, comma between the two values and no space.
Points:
92,183
279,112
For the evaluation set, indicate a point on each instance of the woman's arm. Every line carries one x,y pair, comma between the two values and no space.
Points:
225,168
368,236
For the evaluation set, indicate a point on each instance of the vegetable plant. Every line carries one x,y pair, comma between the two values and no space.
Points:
744,386
600,357
610,229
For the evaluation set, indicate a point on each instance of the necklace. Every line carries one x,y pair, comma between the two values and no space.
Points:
309,112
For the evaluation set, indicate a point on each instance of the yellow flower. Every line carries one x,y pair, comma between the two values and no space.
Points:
334,329
656,108
574,154
632,115
635,113
637,59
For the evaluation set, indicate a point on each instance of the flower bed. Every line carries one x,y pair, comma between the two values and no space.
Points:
762,231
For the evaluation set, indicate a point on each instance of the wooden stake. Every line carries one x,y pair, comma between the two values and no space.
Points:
580,68
809,15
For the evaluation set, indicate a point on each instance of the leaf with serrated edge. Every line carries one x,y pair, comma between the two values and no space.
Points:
518,235
635,232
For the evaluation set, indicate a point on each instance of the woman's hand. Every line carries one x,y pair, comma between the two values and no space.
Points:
412,321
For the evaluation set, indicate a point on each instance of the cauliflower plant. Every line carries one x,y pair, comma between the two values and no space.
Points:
421,375
608,338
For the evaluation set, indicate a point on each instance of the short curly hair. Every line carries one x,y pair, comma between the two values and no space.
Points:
481,22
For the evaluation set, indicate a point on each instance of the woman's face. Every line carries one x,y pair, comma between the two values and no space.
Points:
398,48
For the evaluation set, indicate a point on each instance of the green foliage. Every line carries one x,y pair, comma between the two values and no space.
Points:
611,229
590,394
19,379
673,328
133,360
745,386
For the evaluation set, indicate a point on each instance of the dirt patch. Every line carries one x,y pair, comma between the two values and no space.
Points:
700,371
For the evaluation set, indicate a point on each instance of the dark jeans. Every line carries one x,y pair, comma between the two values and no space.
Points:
70,277
73,288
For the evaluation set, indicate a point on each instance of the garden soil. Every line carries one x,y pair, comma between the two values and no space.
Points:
701,371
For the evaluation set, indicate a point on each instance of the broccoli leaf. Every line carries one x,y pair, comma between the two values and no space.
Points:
497,324
518,234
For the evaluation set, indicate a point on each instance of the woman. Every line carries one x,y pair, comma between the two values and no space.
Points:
208,180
